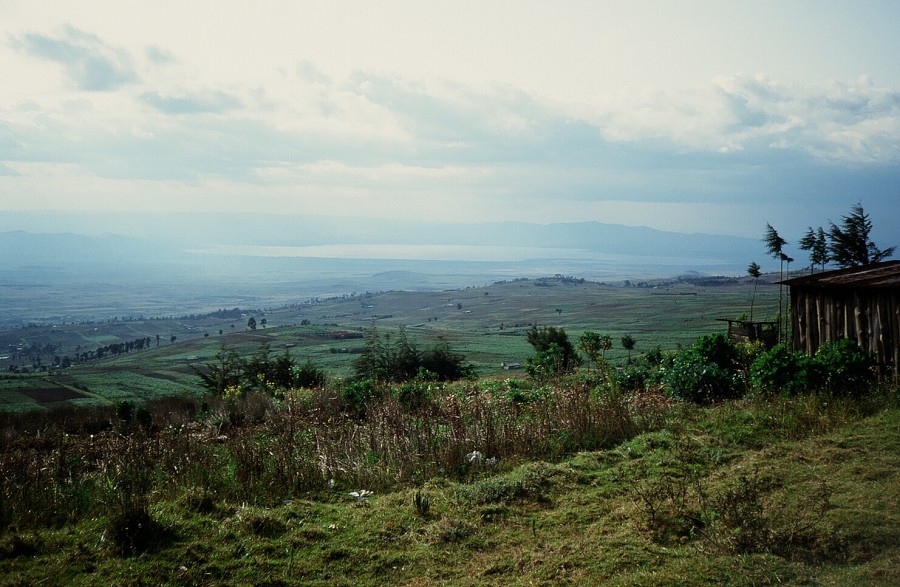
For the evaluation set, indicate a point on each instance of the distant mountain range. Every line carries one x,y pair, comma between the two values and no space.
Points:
166,238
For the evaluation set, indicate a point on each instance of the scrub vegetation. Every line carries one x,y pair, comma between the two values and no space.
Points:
712,463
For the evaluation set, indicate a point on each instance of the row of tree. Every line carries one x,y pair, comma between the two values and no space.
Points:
392,361
846,245
231,375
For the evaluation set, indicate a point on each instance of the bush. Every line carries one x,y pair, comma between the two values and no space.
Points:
309,376
695,378
781,371
644,372
357,393
444,364
720,350
844,368
132,530
413,394
554,354
395,362
707,371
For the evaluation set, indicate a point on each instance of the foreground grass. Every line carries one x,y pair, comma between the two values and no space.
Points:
800,491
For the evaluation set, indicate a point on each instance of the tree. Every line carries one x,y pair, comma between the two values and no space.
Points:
849,244
283,370
628,345
227,373
595,345
775,247
385,362
554,353
774,243
753,271
259,371
443,364
251,323
816,243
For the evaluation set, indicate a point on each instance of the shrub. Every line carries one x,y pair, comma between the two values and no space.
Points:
694,378
132,530
554,354
844,368
309,376
719,350
706,372
413,394
357,393
387,362
781,371
646,371
444,364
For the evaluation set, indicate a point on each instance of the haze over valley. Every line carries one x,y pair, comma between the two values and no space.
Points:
161,264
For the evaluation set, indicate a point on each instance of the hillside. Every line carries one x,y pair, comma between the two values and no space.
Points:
120,469
793,492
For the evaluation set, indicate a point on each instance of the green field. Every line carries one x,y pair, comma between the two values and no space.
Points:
486,324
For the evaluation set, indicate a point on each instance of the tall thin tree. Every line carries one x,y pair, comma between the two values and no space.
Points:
754,272
775,247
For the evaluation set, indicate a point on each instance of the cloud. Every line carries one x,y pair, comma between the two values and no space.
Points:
205,102
308,72
90,63
388,145
844,123
159,56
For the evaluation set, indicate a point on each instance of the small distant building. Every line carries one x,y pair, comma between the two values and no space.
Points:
859,303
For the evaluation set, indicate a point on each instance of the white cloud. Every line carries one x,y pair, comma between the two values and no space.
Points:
90,63
409,109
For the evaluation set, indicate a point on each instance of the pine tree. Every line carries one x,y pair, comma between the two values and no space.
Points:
849,243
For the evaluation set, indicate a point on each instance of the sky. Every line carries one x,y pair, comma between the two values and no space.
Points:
689,116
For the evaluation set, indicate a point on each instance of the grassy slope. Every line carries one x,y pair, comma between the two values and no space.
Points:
586,520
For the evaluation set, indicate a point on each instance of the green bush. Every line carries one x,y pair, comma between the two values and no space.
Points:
720,350
554,353
695,378
781,371
414,394
646,371
706,372
844,368
357,393
309,376
385,361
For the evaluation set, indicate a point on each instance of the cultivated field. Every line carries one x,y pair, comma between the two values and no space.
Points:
486,324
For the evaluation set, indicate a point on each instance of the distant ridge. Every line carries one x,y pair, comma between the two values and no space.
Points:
150,236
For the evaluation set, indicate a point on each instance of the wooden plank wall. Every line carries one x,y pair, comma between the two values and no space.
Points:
870,317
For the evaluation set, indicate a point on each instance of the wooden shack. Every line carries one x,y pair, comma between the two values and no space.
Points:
859,303
744,331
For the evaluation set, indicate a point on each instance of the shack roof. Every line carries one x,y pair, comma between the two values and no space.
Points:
885,275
